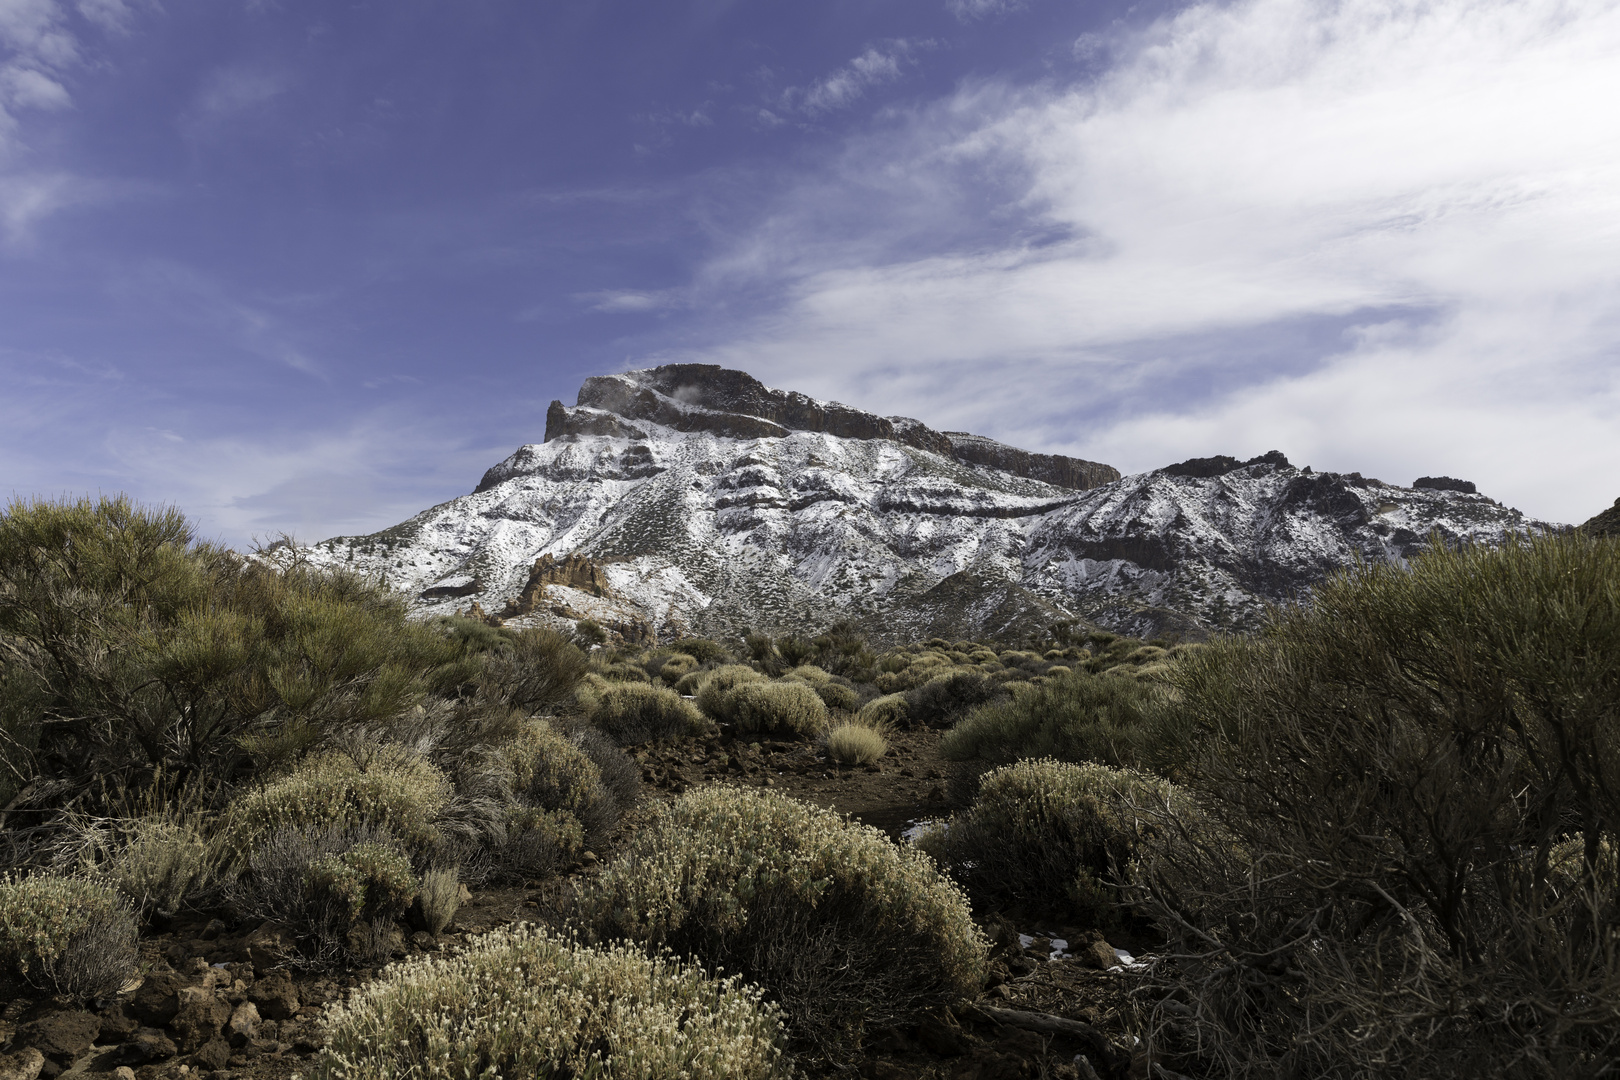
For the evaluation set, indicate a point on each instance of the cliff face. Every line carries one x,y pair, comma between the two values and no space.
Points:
1605,524
735,405
693,499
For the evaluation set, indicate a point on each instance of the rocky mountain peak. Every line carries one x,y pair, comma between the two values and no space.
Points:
691,498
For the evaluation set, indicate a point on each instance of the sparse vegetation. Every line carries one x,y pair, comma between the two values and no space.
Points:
526,1003
65,935
837,923
855,744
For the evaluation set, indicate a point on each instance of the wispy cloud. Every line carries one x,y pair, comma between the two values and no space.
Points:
878,65
970,10
227,95
631,301
1435,187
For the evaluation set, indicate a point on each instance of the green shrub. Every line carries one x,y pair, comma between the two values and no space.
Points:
940,701
1051,834
65,935
134,648
1119,722
843,927
687,685
783,708
855,744
539,843
835,694
534,670
713,691
397,792
522,1003
638,713
702,650
621,672
156,863
885,714
546,769
672,667
1399,761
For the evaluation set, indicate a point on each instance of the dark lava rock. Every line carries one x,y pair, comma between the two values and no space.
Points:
62,1035
1606,523
1445,483
148,1044
1204,468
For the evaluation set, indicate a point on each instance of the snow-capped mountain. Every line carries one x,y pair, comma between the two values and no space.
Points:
692,499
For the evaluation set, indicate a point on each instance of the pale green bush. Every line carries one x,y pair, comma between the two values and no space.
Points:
884,714
157,860
841,925
781,708
717,684
438,899
523,1003
855,744
1051,833
638,712
395,791
370,882
65,935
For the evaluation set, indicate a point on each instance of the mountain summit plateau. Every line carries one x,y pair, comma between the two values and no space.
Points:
693,499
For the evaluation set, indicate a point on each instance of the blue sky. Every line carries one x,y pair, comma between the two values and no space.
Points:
311,267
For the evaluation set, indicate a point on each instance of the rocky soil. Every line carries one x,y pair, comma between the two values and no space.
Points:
222,1002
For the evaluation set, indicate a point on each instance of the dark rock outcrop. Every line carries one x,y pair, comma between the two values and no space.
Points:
1605,524
1205,468
1445,483
734,404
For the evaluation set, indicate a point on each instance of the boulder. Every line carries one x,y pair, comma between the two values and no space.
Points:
148,1044
61,1036
155,1004
23,1064
243,1024
201,1016
275,996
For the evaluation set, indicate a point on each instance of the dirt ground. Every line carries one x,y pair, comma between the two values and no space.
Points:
1047,1012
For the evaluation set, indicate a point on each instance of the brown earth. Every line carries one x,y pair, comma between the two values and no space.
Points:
222,1003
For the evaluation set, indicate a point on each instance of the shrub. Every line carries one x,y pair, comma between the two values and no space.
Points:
396,792
588,634
713,691
156,863
844,928
307,878
539,843
1119,722
671,668
940,701
65,935
783,708
369,882
132,647
1399,762
621,776
1051,834
438,899
524,1003
834,693
885,714
534,670
637,713
702,650
855,744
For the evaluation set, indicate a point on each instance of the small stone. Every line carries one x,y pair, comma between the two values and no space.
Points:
25,1064
200,1017
275,995
148,1044
123,1072
465,895
588,858
243,1024
1098,954
213,1054
214,928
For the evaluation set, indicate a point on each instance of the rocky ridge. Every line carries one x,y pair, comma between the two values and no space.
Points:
692,499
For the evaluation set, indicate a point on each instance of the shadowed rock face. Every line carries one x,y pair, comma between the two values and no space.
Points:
1605,524
734,404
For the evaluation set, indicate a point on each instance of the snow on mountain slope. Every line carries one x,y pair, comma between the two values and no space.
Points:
697,500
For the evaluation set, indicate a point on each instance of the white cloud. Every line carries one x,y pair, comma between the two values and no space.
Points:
621,301
227,95
1442,177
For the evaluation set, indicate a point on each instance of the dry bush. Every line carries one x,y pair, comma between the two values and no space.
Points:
702,650
855,744
778,708
1050,834
524,1003
1404,860
396,791
632,713
438,899
307,879
671,667
65,935
885,714
156,862
839,924
717,684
